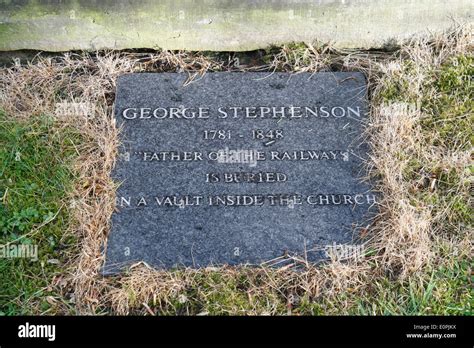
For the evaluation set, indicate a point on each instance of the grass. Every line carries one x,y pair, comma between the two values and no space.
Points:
450,103
420,133
35,178
445,290
447,101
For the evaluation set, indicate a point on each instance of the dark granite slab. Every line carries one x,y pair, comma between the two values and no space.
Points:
237,168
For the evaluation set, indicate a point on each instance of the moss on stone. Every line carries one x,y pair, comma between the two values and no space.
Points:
218,26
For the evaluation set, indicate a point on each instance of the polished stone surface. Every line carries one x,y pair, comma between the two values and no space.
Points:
237,168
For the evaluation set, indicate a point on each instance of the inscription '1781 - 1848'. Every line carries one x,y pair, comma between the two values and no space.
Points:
238,168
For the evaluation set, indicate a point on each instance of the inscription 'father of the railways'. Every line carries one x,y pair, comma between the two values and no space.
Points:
238,168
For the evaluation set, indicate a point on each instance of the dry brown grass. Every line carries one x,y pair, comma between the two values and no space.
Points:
403,241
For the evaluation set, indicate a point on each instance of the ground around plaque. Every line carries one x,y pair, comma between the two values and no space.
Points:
58,144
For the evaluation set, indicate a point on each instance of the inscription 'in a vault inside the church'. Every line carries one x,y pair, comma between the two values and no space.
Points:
238,168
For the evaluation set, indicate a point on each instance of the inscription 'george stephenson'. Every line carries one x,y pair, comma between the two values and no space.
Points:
249,112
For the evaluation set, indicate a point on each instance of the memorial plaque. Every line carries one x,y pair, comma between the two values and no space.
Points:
237,168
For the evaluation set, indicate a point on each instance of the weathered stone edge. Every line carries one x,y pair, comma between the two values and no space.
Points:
222,26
